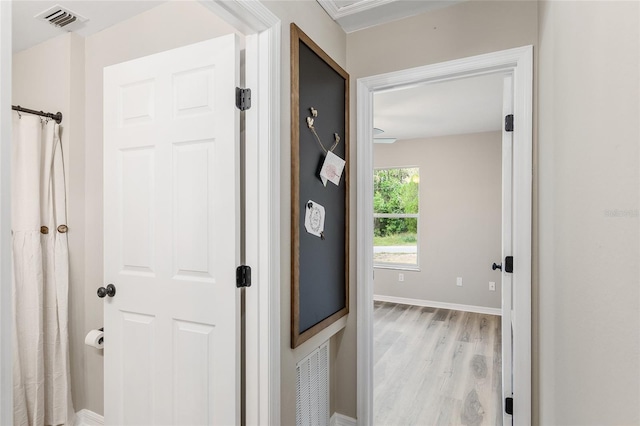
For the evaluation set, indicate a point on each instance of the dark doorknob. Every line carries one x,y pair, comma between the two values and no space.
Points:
109,291
495,266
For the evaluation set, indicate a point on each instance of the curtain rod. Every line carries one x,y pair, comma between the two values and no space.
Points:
57,116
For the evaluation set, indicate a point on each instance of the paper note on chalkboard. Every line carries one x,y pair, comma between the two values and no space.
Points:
314,219
332,169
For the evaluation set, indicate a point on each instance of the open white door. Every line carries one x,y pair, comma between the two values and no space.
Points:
507,251
171,227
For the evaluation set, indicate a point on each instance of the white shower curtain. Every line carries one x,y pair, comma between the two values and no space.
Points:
41,378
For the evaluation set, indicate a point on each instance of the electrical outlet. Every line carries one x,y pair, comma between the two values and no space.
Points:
401,277
459,281
492,286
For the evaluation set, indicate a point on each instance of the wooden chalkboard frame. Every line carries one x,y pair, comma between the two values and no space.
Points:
298,37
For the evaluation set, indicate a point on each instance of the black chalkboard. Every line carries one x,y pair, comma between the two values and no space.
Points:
320,274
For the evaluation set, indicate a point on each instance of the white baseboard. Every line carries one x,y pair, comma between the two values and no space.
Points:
443,305
339,420
88,418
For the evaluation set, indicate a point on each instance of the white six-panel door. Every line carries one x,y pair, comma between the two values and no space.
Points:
171,227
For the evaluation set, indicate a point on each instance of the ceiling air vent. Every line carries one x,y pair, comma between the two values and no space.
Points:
60,17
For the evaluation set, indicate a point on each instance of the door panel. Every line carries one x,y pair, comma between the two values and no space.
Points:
137,188
193,242
194,346
171,237
137,367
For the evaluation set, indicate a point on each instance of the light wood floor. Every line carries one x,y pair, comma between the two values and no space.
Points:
436,367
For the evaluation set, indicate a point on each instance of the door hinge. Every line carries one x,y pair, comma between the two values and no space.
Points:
508,405
243,99
243,276
508,123
508,264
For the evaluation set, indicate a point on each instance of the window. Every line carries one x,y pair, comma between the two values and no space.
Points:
395,215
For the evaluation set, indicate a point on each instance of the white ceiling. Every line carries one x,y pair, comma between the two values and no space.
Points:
101,14
469,105
354,15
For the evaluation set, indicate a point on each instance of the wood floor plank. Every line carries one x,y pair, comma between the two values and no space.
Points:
436,367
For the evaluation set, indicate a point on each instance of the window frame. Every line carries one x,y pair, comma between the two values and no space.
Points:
399,266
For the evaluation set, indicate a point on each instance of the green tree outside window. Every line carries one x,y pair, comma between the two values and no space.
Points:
396,206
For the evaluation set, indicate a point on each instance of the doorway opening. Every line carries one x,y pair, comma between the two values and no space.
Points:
516,300
437,208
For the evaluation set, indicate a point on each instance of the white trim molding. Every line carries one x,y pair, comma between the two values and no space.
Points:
86,417
341,420
262,192
247,16
439,305
518,62
6,310
368,13
364,255
337,12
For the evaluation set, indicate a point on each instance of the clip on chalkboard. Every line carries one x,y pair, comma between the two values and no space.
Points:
314,219
330,166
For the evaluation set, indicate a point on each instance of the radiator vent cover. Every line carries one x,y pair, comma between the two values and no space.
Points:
61,17
312,388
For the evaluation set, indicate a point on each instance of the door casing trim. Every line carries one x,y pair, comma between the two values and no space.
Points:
6,310
262,201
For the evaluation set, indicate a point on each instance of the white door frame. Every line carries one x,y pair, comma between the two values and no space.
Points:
262,192
262,29
518,61
6,311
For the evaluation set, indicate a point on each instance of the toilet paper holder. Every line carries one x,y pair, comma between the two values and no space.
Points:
95,338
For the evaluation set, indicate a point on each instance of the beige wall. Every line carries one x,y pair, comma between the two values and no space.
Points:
466,29
165,27
459,229
589,291
62,89
314,21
